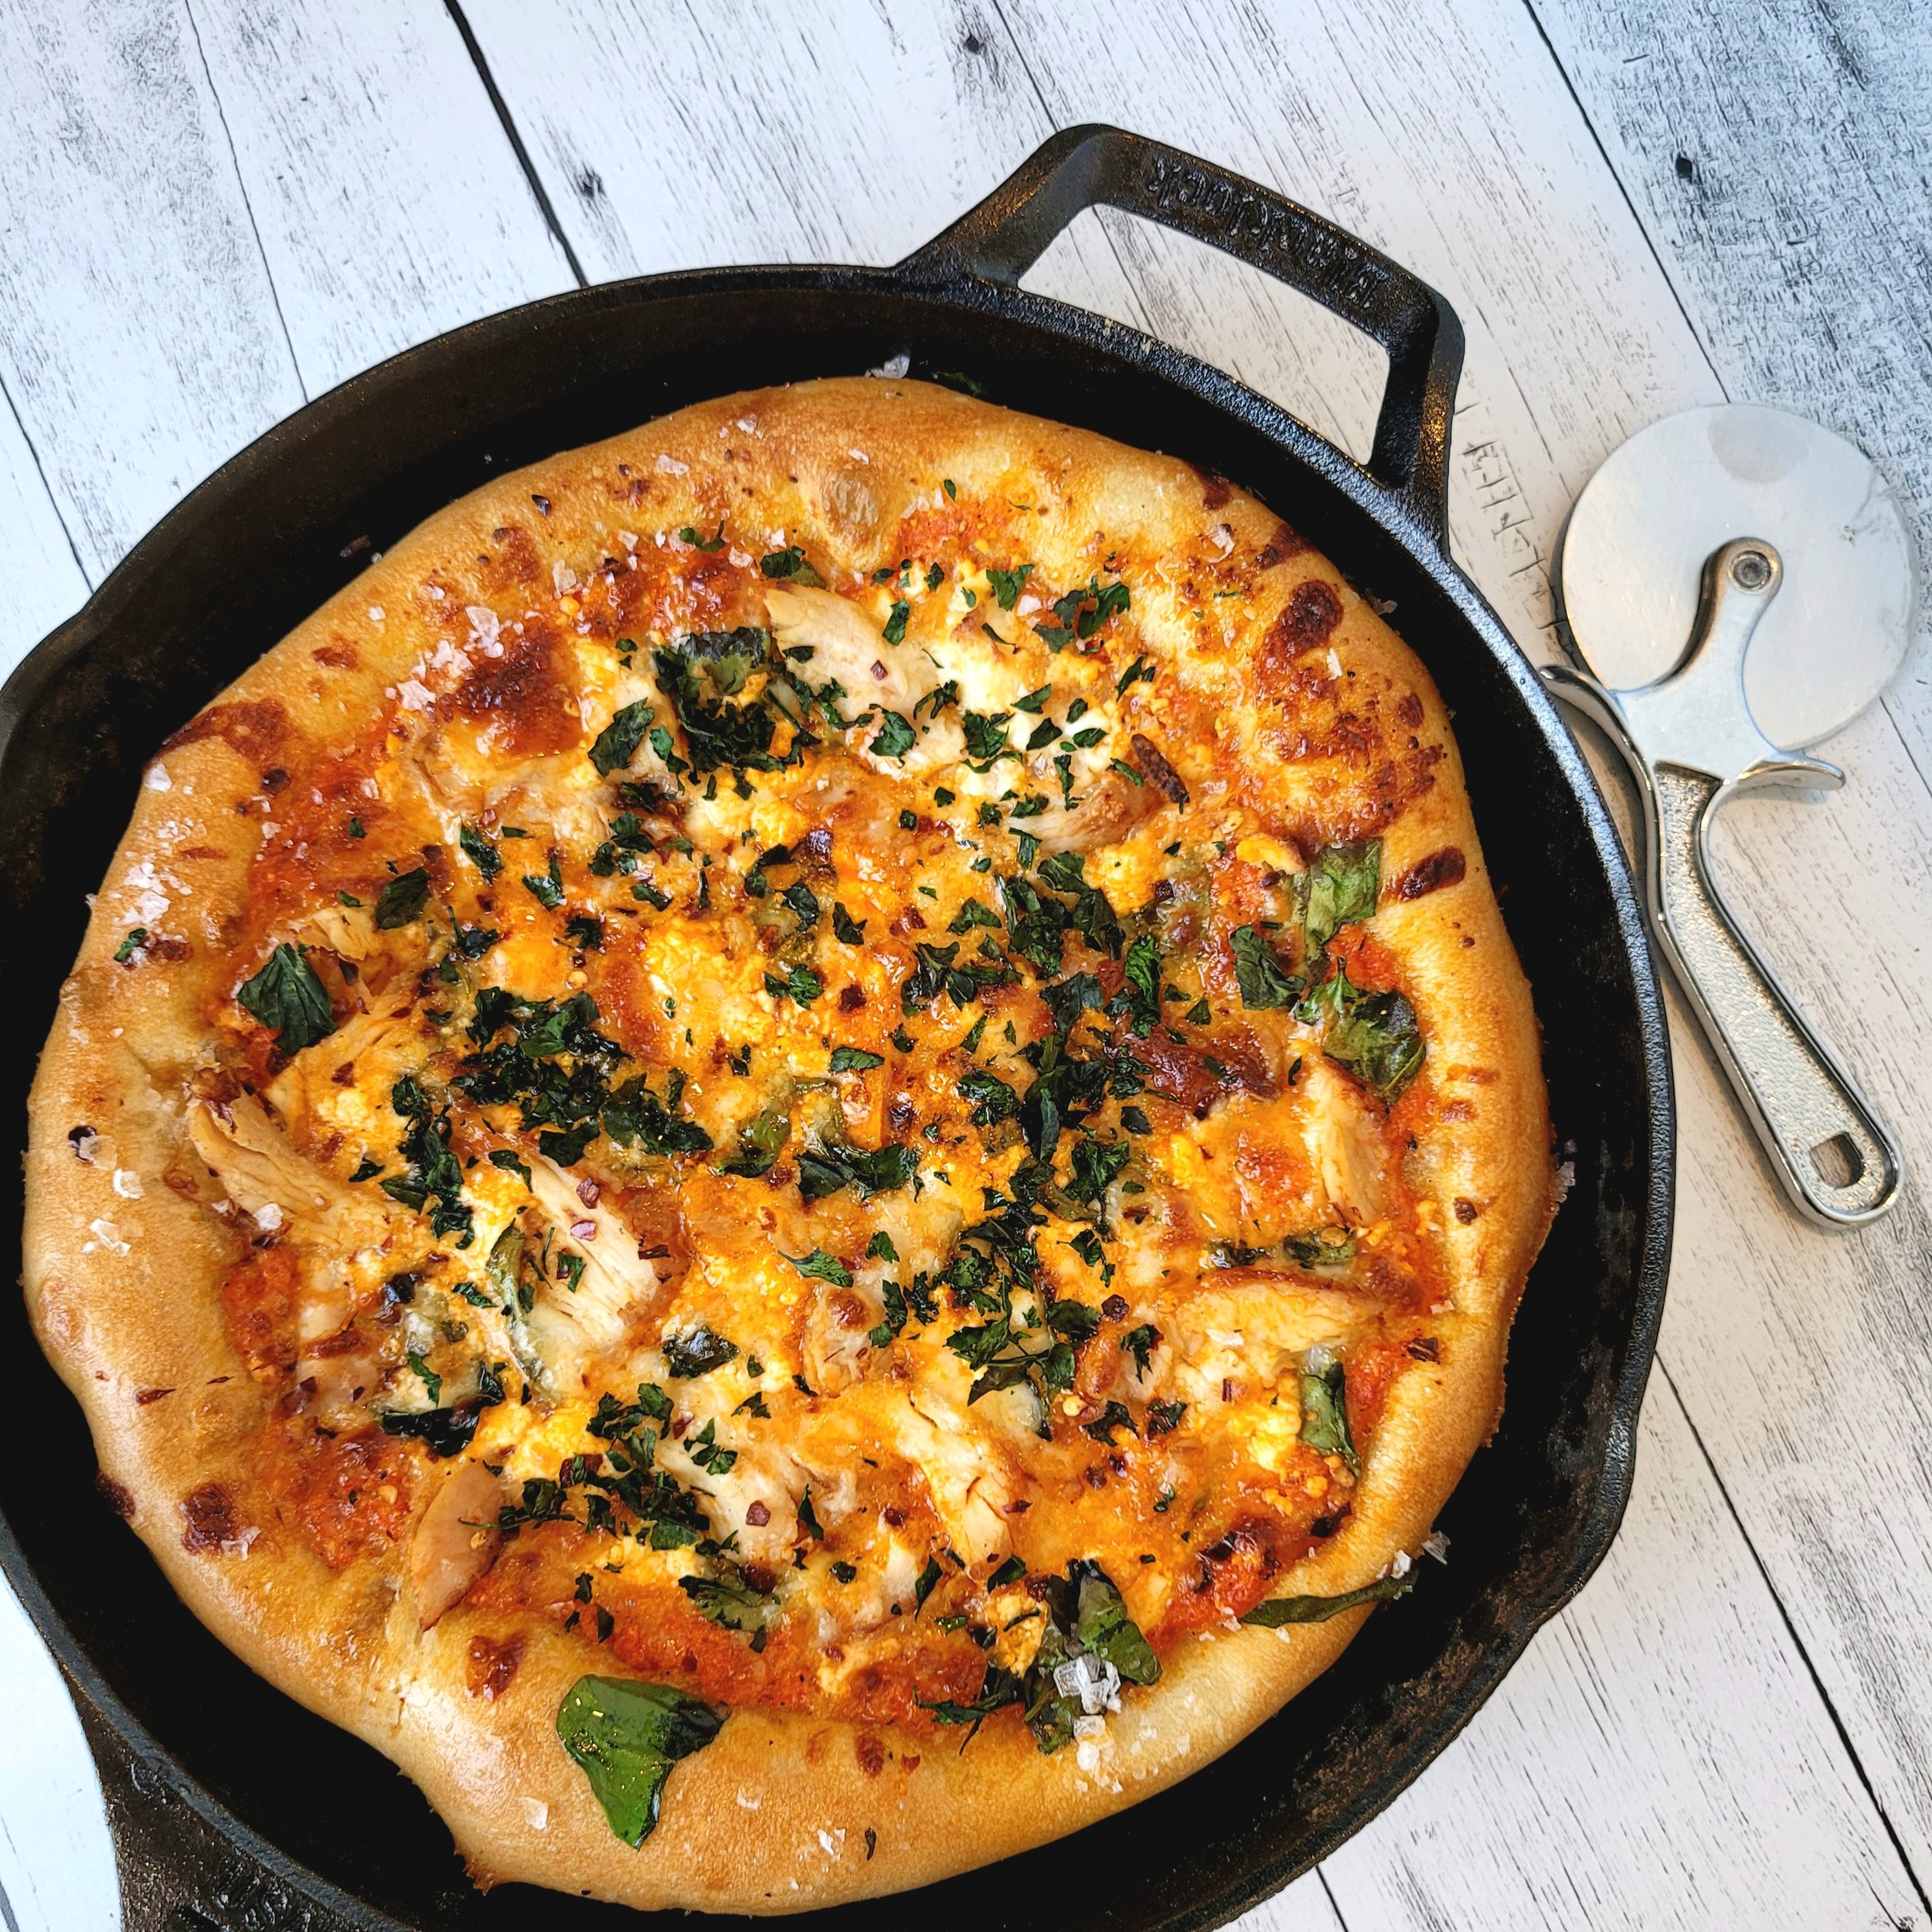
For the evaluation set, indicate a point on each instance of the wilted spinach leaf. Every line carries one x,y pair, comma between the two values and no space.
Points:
626,1736
287,995
1278,1610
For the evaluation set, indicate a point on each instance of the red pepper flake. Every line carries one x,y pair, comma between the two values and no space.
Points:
758,1515
587,1191
583,1230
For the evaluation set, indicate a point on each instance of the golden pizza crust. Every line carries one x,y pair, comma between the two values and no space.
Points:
124,1259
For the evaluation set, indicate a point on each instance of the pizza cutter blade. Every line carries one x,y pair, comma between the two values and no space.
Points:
1737,583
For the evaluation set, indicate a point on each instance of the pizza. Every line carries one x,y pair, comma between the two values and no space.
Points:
803,1152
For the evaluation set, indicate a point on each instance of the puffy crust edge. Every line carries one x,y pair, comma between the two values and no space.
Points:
116,1324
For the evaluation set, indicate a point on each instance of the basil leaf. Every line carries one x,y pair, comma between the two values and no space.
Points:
1006,584
1329,1247
1101,1623
1096,1166
1139,998
444,1432
801,983
1376,1037
883,1170
480,852
992,1099
1049,1716
821,1266
895,630
850,931
633,1115
855,1059
895,737
804,903
1325,1413
1263,982
546,888
1278,1610
625,1736
1340,888
697,1353
731,1605
790,566
760,1141
617,744
403,900
287,995
504,1158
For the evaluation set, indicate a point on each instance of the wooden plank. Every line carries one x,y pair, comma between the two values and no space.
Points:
1665,1712
777,141
388,204
138,336
1779,152
43,584
1303,1906
57,1860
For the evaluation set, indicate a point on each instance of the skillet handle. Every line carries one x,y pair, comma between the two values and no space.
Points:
1002,237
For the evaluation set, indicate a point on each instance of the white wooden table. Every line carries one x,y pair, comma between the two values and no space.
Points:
215,209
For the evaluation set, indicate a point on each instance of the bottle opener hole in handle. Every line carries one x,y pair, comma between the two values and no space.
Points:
1692,742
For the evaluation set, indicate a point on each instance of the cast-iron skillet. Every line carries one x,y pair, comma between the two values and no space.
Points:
261,543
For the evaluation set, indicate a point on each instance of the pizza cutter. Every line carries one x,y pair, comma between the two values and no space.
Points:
1736,583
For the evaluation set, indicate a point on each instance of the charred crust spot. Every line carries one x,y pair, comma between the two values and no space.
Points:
1444,868
173,950
337,657
1466,1210
144,1396
518,692
515,561
1311,613
208,1513
1284,544
870,1753
542,502
1425,1348
274,780
250,728
116,1495
1153,766
491,1665
1216,490
1408,710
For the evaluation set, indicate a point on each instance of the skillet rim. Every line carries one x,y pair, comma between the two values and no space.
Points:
1052,324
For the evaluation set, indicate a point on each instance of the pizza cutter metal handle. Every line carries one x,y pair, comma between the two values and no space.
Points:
1840,1165
1691,743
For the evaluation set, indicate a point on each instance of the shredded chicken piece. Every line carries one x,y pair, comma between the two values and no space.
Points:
1350,1154
576,1329
1105,814
969,1482
456,1541
846,645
